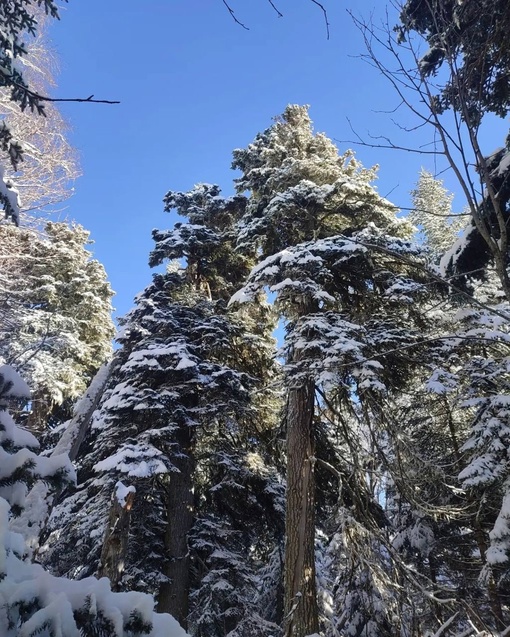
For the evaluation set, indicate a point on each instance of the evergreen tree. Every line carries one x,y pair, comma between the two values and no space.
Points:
335,256
173,425
33,601
433,212
56,305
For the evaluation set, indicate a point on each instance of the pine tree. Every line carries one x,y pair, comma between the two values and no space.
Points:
33,601
433,212
337,260
56,305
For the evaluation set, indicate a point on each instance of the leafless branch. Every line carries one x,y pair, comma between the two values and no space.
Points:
280,14
325,16
234,17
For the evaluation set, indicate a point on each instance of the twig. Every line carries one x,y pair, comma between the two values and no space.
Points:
325,16
234,17
280,14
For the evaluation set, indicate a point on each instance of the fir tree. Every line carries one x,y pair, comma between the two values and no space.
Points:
335,256
56,306
33,601
433,212
179,395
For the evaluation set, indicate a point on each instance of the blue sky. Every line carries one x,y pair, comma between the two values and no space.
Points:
193,85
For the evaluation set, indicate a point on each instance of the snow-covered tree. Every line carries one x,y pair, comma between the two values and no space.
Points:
44,177
18,21
56,307
432,212
343,275
177,428
33,602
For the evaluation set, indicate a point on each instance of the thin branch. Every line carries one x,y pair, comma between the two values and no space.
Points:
234,17
90,99
325,16
280,14
46,98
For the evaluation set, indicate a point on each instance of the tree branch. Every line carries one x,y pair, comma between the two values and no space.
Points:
234,17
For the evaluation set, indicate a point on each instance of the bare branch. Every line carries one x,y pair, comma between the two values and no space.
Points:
280,14
325,16
46,98
234,17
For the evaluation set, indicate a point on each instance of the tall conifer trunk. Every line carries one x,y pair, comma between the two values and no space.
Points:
173,595
301,610
301,613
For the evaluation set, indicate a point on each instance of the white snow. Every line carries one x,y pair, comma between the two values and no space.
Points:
122,492
19,387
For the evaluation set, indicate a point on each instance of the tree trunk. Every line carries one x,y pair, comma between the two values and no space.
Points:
492,589
173,594
113,553
301,611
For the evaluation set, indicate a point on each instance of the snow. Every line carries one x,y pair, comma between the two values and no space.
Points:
19,388
499,550
98,382
122,492
137,461
184,363
504,164
59,598
14,435
11,196
244,295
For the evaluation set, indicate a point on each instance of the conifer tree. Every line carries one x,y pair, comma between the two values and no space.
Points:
335,256
33,601
56,307
433,212
173,426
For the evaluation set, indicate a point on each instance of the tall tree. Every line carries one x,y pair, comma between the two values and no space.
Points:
307,208
34,602
56,304
179,395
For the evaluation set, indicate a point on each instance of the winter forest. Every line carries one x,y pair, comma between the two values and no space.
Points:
302,427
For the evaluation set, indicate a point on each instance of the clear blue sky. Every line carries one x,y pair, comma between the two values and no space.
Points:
193,86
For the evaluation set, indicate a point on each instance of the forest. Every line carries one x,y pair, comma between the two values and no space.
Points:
302,427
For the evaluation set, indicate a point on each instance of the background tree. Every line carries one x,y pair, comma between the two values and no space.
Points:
17,21
432,211
56,304
45,176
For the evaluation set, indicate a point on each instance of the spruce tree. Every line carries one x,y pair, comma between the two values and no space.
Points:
353,292
56,307
33,601
175,421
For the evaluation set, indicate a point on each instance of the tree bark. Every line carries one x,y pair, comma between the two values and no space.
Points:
174,593
301,611
113,553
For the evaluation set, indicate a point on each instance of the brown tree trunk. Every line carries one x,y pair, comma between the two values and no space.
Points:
173,594
113,553
301,611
